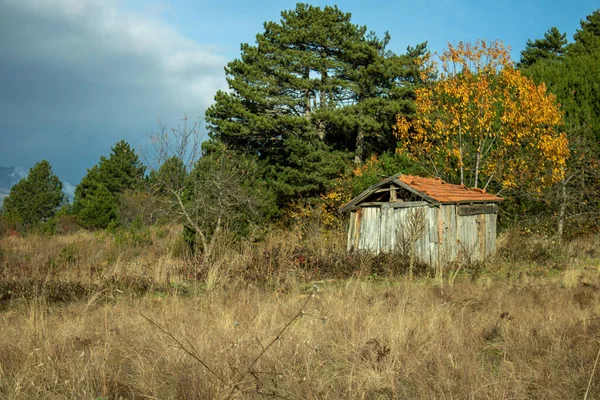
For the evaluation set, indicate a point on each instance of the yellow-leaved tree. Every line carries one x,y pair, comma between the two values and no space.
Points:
480,121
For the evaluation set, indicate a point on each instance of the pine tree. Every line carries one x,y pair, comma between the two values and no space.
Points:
551,47
36,198
587,39
278,85
96,196
95,206
383,87
315,86
574,81
122,170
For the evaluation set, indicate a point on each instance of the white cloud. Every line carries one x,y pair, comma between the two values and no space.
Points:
99,30
85,66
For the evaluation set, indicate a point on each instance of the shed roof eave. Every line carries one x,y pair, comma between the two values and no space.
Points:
416,192
366,192
394,178
443,197
474,201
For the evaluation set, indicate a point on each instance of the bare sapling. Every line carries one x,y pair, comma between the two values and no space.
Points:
415,229
202,188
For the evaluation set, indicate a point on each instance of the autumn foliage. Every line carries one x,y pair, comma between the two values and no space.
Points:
480,121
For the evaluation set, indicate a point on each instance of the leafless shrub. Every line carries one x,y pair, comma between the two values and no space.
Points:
139,206
206,190
414,230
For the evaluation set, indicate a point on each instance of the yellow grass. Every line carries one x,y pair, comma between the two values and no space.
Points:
495,336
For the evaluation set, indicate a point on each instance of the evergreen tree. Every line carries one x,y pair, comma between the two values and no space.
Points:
587,39
96,196
575,82
315,86
551,47
122,169
383,87
36,198
94,205
303,169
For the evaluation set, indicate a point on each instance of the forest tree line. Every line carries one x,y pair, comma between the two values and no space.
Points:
319,108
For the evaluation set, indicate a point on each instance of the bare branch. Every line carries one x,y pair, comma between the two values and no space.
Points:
190,351
268,346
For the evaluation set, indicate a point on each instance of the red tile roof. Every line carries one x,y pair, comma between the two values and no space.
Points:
445,192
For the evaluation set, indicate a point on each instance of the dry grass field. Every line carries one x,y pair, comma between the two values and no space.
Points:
120,316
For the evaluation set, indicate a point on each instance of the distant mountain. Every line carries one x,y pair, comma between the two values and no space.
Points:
9,176
69,191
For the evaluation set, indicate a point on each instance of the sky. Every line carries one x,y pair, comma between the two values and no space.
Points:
76,76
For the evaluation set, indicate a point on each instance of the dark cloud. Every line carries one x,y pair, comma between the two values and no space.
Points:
78,75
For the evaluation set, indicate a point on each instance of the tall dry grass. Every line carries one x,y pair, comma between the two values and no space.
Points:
355,339
74,309
160,259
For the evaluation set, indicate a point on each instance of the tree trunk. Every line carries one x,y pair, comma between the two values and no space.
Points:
477,164
322,104
322,94
360,147
307,94
562,209
307,106
460,156
319,123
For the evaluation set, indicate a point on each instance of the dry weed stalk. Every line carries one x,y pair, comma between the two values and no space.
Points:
519,336
190,350
248,369
414,231
398,340
587,391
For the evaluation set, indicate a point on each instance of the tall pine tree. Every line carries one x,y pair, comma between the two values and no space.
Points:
36,198
314,90
551,47
587,39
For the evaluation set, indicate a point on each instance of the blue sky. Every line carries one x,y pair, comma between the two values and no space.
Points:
409,22
78,75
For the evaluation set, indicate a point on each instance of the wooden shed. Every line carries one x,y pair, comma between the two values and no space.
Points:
440,222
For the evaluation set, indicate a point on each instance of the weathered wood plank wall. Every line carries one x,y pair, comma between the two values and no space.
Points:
450,234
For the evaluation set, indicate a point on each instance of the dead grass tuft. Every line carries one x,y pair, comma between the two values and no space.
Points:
72,321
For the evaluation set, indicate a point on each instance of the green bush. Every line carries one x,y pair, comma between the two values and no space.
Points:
135,235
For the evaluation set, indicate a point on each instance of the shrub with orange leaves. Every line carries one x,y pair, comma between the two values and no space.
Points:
343,190
370,172
481,121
